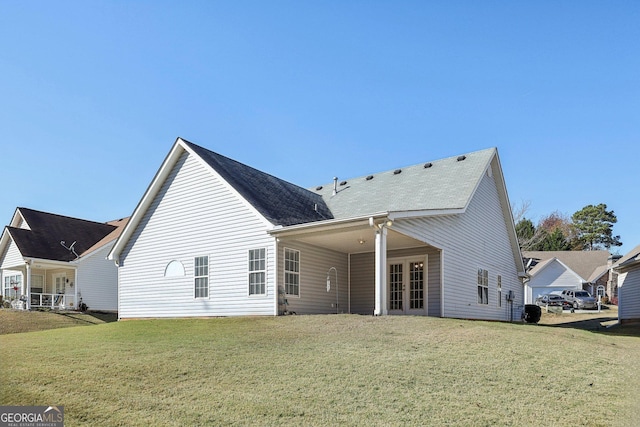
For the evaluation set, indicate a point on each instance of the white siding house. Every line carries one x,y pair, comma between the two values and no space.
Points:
551,276
214,237
628,269
57,262
554,271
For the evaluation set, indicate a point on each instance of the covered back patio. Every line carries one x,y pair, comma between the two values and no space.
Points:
379,270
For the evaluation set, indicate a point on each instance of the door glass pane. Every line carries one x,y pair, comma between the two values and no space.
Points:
416,285
395,287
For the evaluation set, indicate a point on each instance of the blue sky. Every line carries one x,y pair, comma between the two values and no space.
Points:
95,93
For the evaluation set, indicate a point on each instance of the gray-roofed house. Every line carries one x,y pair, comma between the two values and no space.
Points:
554,271
628,269
214,237
55,261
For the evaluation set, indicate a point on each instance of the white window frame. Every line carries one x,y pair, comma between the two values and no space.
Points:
288,273
199,276
499,287
257,268
8,287
483,287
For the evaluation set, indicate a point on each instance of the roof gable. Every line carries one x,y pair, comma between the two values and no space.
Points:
583,263
279,201
440,185
46,232
545,264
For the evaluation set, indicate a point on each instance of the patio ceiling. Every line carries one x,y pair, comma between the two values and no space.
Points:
357,239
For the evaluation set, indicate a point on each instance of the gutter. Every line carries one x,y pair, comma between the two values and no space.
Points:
330,224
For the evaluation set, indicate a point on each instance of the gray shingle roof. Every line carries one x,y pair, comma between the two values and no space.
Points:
279,201
435,185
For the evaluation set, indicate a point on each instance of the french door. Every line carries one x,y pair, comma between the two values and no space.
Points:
407,284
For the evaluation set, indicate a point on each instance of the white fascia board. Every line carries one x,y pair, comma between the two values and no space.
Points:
630,263
15,219
49,262
330,224
147,199
226,184
4,240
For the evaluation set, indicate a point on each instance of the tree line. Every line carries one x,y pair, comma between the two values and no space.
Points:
590,228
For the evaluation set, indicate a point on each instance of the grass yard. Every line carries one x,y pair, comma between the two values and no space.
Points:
326,370
17,321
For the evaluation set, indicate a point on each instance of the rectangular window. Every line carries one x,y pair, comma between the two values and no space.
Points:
292,272
483,286
499,291
257,272
11,282
201,274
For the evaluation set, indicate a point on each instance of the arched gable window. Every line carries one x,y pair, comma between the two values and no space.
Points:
174,269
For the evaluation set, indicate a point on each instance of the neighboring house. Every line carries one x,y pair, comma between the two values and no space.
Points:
628,269
553,271
214,237
54,261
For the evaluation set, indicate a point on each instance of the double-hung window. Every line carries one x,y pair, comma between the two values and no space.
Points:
201,275
257,272
292,272
483,286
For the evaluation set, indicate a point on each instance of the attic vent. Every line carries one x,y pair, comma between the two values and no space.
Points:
319,187
428,165
343,183
461,158
397,171
369,178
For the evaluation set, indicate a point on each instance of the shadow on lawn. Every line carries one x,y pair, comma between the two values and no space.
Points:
603,325
90,317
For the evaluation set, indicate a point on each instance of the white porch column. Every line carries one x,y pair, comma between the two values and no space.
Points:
381,272
27,303
76,306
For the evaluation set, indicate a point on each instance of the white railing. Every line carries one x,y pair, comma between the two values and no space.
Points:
59,301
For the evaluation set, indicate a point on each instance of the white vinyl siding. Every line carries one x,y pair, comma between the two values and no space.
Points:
476,237
257,271
97,280
314,269
629,295
194,213
12,257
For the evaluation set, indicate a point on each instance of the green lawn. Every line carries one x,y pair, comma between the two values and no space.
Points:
325,370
